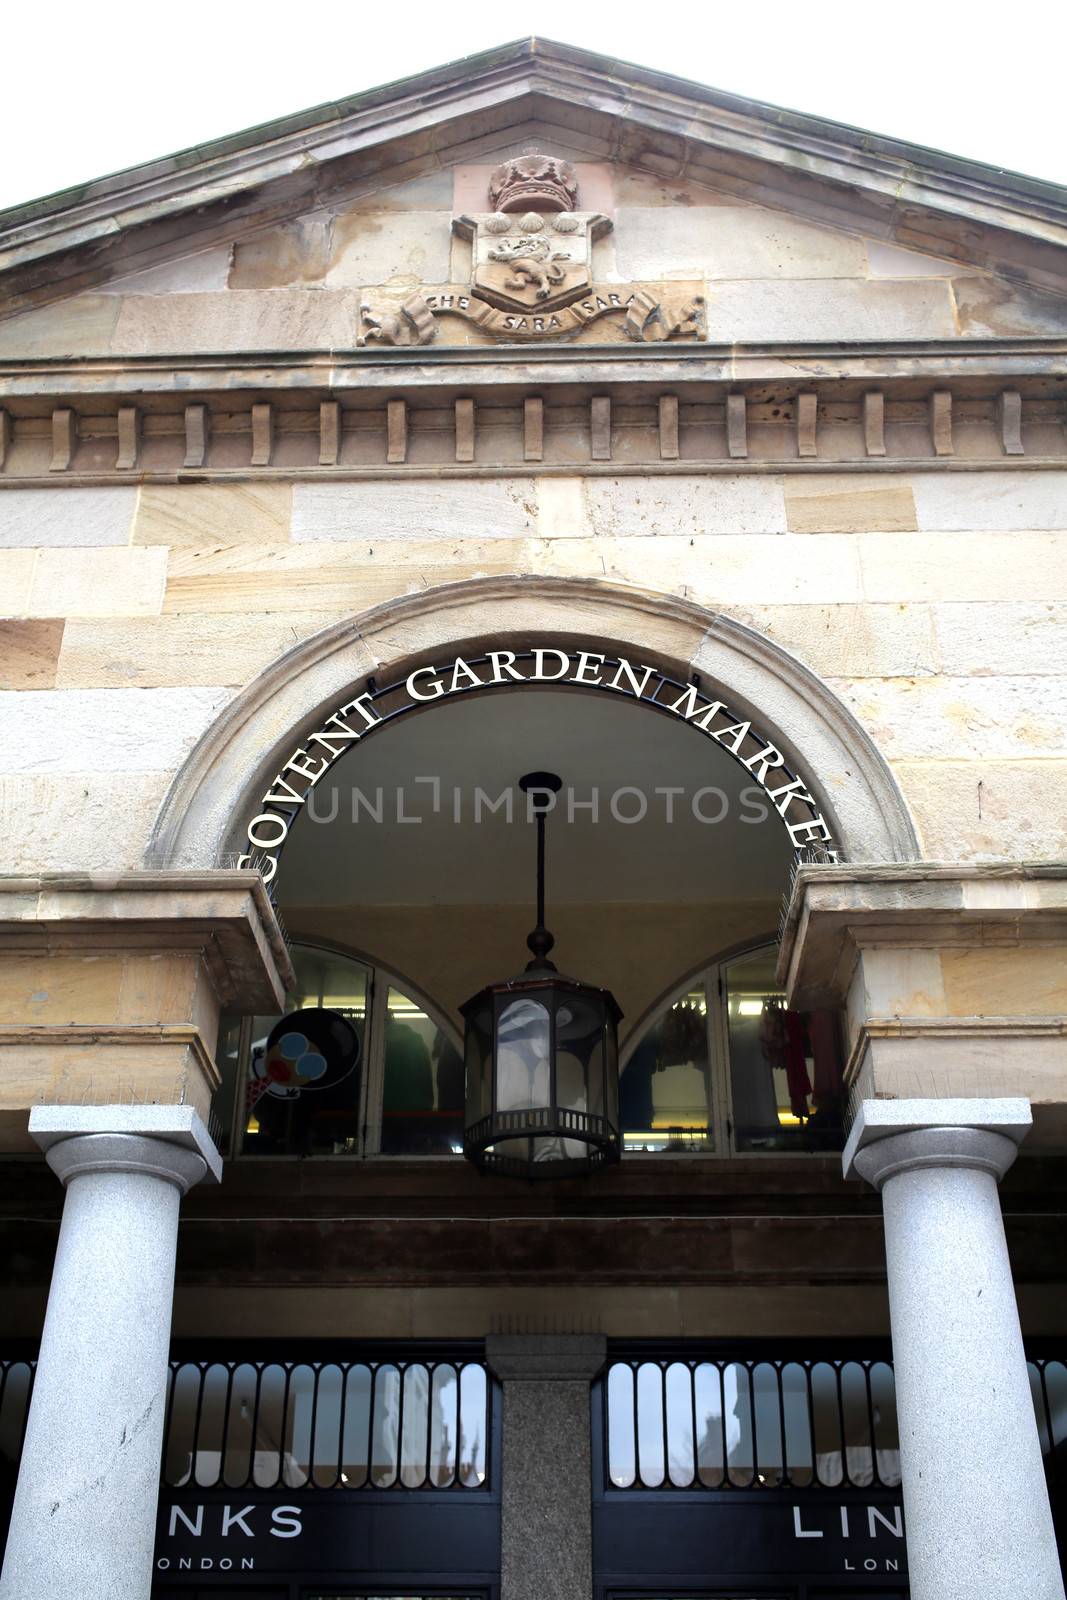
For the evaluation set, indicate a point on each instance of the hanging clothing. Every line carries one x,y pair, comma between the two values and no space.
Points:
796,1066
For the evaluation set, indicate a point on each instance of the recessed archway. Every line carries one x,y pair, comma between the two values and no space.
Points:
219,788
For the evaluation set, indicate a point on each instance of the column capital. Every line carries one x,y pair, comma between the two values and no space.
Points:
545,1357
166,1142
893,1136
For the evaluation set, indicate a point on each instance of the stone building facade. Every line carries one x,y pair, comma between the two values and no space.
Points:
522,396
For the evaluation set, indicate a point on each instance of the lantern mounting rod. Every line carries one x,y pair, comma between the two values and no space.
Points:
540,789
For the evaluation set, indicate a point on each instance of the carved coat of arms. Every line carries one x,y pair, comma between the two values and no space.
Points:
532,270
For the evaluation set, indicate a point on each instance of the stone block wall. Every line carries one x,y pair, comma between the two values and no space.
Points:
933,604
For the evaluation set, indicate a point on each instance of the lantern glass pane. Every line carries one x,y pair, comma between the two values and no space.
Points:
479,1053
580,1053
523,1048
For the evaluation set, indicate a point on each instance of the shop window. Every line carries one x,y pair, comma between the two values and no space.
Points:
327,1425
725,1067
665,1096
387,1079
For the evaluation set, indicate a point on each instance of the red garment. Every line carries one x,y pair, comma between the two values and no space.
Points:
796,1067
829,1067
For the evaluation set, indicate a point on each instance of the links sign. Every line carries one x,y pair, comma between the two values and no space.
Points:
583,670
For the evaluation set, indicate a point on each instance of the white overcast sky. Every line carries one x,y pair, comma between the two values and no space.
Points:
89,89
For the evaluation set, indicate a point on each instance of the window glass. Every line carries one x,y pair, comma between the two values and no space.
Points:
422,1098
785,1067
284,1108
664,1089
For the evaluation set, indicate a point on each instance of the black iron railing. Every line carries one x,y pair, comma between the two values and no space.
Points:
726,1421
420,1422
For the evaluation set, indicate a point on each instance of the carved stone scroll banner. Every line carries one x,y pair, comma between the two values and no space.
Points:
646,320
531,271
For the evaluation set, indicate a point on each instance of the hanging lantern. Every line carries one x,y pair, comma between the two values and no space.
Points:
542,1060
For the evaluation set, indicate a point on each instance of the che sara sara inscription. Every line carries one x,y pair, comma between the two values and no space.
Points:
583,670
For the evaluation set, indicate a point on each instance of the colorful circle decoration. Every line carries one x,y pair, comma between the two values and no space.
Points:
307,1050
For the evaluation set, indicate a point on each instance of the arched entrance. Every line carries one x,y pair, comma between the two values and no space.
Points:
218,791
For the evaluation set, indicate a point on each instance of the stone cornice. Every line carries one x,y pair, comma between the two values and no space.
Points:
893,406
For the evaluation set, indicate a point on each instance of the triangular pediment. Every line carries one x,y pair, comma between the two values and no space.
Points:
701,184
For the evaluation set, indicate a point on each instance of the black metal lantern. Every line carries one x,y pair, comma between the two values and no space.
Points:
542,1058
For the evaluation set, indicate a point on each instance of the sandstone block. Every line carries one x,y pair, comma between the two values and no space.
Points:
951,501
828,308
42,517
734,242
236,320
987,810
82,326
988,308
373,247
171,651
87,821
16,579
890,261
850,641
213,513
29,652
195,274
684,505
97,583
848,504
326,575
561,508
1002,639
1005,982
421,509
103,730
729,570
957,567
959,718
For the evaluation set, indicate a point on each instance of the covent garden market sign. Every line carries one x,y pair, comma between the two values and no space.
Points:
583,670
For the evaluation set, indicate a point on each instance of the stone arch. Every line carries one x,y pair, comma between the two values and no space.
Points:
214,794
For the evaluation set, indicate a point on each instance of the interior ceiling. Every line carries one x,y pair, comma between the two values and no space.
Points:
487,742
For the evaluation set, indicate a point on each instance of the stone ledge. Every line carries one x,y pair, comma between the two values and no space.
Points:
834,911
224,913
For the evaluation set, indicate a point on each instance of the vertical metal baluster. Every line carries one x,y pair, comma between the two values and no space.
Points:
806,1368
203,1368
402,1383
372,1367
638,1478
777,1368
287,1368
343,1367
692,1367
431,1371
846,1475
250,1480
667,1479
751,1370
221,1479
313,1424
720,1368
865,1368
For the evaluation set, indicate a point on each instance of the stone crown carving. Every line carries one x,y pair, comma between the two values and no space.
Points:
533,182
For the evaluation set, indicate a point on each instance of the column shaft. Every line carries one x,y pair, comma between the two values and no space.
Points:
83,1520
975,1501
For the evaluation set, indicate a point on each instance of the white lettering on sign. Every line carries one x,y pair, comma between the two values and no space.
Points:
288,791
